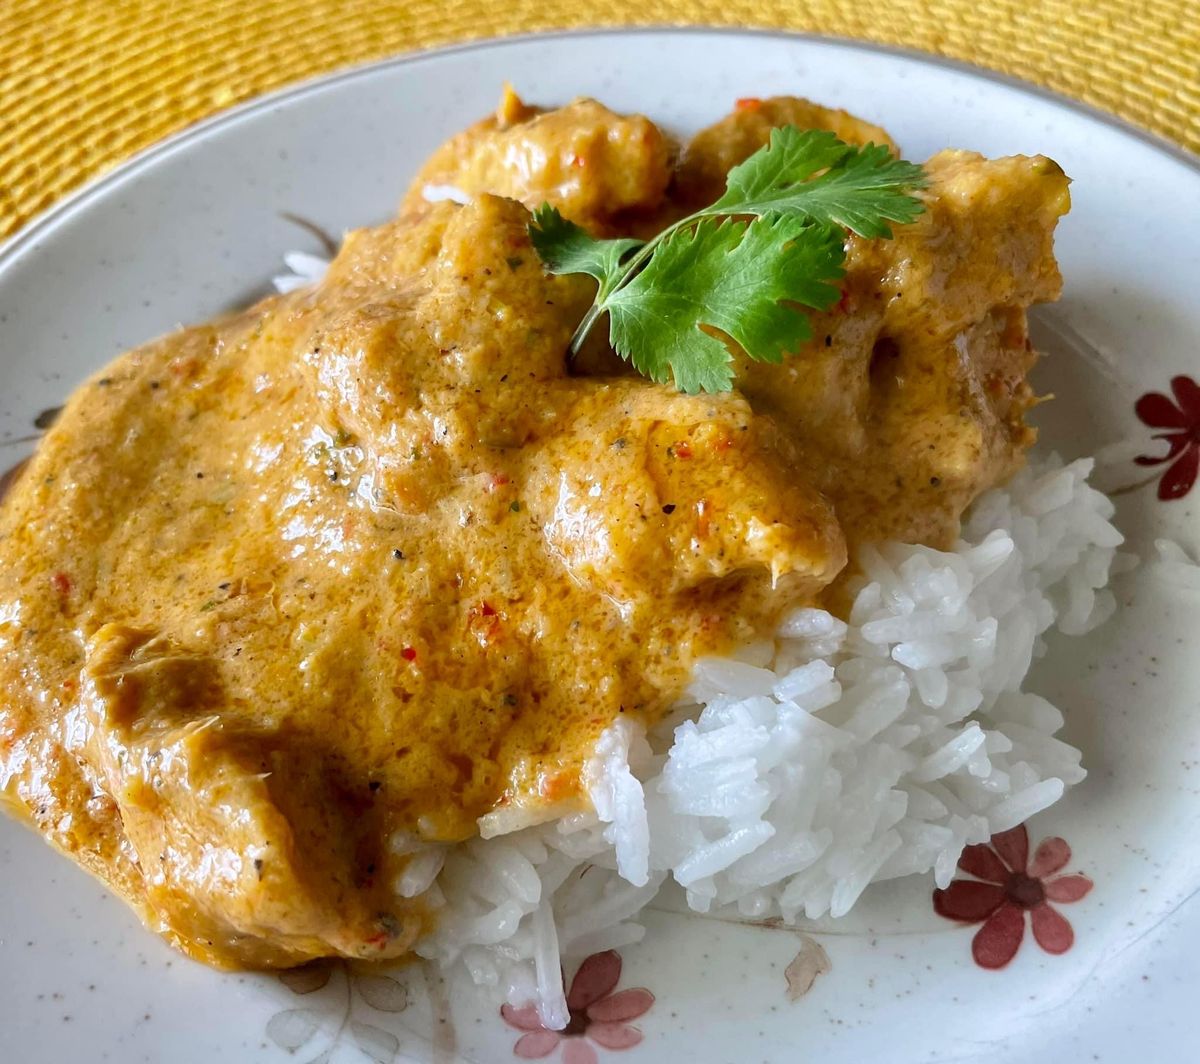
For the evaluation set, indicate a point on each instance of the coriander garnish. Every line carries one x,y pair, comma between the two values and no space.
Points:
745,279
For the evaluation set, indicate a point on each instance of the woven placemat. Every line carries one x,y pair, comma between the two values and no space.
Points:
85,83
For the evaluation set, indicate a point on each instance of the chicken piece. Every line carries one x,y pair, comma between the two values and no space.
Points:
910,400
228,829
714,151
932,353
484,317
693,494
592,164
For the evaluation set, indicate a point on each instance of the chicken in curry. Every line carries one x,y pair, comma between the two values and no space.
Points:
376,559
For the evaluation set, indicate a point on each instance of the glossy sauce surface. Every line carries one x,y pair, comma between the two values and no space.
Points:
372,558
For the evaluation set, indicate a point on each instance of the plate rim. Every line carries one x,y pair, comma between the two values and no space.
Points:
78,199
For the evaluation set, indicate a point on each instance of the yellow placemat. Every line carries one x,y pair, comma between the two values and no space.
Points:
85,83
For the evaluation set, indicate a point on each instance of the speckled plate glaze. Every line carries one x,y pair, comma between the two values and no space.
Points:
197,225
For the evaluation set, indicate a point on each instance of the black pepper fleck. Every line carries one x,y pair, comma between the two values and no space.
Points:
669,508
47,417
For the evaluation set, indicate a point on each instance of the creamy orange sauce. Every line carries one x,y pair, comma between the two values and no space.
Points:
372,557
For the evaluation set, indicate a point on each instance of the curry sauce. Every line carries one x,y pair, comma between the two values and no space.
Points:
372,560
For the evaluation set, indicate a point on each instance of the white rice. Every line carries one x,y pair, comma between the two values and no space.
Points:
302,268
835,756
444,193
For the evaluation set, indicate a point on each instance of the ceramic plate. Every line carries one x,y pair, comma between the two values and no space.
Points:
198,224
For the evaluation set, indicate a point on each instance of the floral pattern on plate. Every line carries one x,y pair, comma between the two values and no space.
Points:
1179,417
300,1028
1007,885
597,1015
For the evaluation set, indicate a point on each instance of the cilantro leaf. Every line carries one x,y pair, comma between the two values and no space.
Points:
565,247
712,277
861,189
790,155
729,276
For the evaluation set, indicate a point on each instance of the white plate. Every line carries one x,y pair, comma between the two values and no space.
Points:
194,226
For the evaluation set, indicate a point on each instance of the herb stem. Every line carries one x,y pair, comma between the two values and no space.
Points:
629,270
585,326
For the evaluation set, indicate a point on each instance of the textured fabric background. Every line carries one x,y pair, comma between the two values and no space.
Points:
85,83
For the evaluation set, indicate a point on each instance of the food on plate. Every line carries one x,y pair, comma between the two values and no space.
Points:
626,535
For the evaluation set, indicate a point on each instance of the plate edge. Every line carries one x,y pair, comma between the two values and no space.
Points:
78,199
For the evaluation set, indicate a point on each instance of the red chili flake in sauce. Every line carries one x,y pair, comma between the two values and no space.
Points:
485,630
61,583
683,450
409,654
749,103
183,367
558,786
498,481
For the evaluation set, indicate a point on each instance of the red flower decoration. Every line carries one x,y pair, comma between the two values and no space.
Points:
596,1014
1181,419
1007,885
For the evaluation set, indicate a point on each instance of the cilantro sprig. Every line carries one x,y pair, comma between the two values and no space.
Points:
742,267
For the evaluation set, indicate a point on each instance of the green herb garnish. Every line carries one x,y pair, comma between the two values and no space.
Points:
714,272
